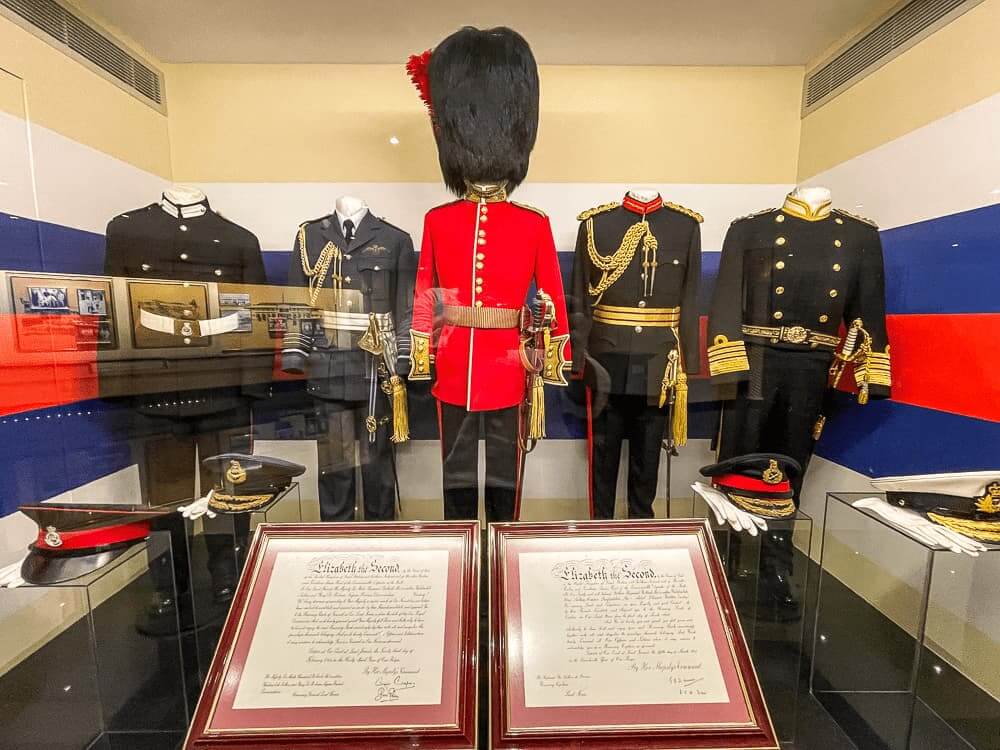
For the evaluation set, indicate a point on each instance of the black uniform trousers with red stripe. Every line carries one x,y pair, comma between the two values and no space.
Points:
460,433
633,418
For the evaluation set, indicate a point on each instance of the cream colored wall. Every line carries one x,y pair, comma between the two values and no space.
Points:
953,68
332,123
68,98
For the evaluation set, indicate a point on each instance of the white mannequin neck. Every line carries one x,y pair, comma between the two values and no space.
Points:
183,195
184,202
815,197
644,194
349,207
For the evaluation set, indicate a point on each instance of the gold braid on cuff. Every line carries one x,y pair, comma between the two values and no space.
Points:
879,372
726,356
420,356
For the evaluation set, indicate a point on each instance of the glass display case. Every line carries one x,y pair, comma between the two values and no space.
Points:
895,627
93,663
769,577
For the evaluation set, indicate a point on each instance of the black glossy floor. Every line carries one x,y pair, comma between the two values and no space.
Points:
140,684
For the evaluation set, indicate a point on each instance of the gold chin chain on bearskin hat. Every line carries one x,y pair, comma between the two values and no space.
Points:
613,266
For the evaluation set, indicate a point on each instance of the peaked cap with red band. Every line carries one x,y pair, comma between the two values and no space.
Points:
759,483
76,539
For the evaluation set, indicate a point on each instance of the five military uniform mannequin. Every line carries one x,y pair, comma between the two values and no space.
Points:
788,278
634,315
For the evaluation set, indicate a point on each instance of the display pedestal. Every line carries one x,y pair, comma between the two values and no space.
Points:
218,548
877,668
103,671
768,575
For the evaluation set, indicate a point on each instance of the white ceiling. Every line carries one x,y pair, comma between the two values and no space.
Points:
599,32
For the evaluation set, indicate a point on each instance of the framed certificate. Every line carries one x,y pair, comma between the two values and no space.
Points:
348,635
617,636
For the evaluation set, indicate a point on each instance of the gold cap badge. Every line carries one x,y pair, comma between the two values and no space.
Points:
236,473
990,501
772,474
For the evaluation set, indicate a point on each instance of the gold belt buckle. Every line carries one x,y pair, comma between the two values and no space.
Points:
795,335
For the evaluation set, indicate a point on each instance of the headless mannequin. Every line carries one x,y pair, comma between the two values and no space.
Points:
349,208
815,197
182,195
644,194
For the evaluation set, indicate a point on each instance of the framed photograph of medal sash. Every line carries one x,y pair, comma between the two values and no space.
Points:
348,635
614,635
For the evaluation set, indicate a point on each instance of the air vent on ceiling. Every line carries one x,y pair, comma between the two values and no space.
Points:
871,49
91,44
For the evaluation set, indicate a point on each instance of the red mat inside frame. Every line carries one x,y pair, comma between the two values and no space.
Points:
226,717
735,712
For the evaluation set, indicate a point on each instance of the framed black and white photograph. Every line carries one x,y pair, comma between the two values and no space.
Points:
91,302
48,298
104,334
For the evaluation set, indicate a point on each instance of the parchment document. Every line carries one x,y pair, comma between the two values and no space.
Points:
615,628
349,629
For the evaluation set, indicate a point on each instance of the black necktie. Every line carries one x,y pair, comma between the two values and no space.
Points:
348,230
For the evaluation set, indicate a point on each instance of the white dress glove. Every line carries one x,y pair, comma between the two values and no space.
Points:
921,528
10,575
725,512
198,508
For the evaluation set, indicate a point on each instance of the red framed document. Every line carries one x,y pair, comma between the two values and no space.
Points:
617,636
348,636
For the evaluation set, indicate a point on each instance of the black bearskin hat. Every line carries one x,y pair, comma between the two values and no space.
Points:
484,96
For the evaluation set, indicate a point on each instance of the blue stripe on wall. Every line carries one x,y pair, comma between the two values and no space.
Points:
885,438
946,265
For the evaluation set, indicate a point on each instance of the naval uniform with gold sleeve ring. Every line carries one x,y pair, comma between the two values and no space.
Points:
633,312
788,278
367,280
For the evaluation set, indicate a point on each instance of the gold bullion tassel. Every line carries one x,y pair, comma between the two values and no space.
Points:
680,426
400,412
818,427
536,414
675,381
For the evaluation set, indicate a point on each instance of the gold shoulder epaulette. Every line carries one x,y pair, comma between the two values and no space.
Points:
862,219
597,210
525,206
754,214
686,211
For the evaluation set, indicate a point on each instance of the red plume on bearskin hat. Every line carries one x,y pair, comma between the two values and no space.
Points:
482,88
416,66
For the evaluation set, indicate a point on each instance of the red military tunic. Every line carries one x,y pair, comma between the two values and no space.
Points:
480,255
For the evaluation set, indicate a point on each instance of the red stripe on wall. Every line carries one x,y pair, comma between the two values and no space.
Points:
947,362
46,360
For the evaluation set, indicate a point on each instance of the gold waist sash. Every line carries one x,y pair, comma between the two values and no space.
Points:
482,317
792,335
654,317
